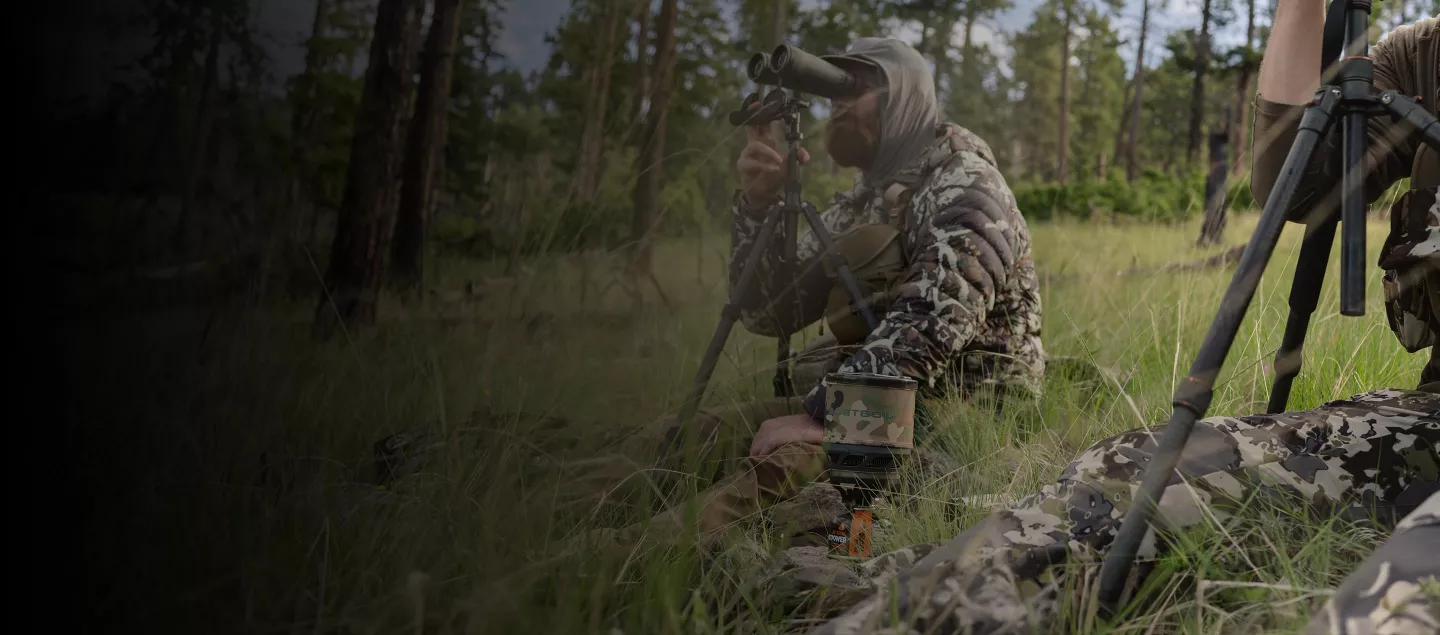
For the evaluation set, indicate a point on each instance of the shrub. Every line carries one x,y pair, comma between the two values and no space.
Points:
1153,197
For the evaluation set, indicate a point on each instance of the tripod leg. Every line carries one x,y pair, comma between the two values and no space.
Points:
1355,83
1192,397
784,386
1304,296
783,383
846,277
728,316
1352,215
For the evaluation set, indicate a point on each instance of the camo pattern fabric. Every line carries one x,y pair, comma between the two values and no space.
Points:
967,312
1411,260
870,415
1395,591
1373,453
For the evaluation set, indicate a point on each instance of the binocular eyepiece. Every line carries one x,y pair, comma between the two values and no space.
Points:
791,67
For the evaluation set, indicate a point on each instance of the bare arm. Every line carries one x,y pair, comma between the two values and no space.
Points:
1289,73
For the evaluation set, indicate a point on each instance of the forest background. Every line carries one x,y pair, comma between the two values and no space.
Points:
293,228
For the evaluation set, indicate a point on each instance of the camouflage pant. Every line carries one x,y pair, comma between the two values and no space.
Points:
714,447
1374,452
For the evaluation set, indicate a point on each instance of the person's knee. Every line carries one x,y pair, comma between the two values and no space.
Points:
790,466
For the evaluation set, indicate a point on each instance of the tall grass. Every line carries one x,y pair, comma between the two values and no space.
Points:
232,469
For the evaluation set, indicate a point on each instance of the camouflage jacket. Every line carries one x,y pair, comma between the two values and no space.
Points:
966,310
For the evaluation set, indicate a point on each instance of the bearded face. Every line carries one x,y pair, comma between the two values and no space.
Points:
853,131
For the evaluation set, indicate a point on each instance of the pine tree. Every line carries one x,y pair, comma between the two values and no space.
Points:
425,145
367,213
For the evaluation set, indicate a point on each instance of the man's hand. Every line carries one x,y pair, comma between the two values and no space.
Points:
761,165
779,431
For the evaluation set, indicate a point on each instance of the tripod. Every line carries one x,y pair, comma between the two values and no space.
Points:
1351,100
778,105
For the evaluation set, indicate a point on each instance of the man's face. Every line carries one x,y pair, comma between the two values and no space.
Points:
853,131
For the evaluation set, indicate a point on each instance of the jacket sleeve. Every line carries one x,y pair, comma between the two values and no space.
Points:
964,248
1390,149
777,300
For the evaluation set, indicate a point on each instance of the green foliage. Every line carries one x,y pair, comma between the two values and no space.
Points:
829,27
1097,95
757,23
1152,197
1036,78
479,91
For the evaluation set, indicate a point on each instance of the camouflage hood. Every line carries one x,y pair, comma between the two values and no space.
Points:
909,110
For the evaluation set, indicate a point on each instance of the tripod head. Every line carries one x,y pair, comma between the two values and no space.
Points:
778,105
1356,86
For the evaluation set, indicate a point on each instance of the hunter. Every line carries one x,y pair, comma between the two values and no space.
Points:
932,232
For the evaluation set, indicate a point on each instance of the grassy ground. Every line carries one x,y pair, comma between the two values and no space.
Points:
232,465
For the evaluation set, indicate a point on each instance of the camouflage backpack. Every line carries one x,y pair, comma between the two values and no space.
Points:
876,255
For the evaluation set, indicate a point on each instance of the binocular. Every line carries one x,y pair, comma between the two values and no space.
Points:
789,67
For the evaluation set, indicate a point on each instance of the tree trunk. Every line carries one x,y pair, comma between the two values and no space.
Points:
1123,127
647,186
1136,107
1063,168
1085,92
925,20
642,72
367,209
1213,229
943,83
592,140
302,119
966,79
1241,139
969,45
1197,94
425,149
288,214
780,23
200,139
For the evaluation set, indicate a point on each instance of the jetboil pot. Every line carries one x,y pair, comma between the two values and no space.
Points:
869,432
